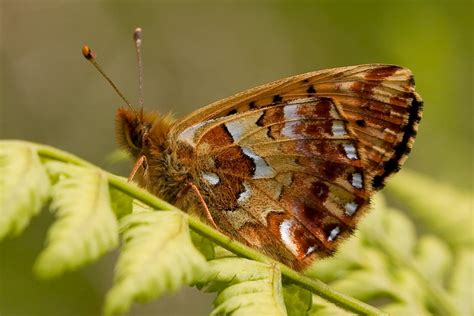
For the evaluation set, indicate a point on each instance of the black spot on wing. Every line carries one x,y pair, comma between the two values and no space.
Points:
261,119
231,112
277,98
360,123
226,131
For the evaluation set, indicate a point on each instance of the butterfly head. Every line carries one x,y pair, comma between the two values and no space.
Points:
138,132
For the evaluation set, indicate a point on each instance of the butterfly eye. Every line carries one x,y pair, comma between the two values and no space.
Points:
129,141
133,139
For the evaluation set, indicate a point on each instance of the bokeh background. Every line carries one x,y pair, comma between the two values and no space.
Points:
196,52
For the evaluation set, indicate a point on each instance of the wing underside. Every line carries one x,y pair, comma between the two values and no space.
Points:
289,167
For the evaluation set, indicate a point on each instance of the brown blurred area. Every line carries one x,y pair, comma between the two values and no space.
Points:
196,52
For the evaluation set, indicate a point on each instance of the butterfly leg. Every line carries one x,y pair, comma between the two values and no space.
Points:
204,204
141,161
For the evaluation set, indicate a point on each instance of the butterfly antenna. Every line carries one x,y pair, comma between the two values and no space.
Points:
91,57
137,38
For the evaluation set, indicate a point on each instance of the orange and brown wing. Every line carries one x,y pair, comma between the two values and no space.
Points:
379,101
290,166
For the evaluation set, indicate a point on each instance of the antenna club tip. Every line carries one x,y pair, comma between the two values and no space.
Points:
88,53
137,35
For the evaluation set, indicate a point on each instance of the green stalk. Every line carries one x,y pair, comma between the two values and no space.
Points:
315,286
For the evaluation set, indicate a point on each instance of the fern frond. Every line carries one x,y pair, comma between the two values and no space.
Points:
71,244
324,308
388,259
298,301
443,210
121,203
205,246
244,287
86,226
24,188
430,247
158,257
461,284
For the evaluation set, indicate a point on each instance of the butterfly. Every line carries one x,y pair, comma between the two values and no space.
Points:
288,167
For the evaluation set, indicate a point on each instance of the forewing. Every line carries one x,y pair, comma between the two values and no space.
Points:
289,167
378,101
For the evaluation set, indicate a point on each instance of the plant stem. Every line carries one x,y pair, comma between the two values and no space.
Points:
315,286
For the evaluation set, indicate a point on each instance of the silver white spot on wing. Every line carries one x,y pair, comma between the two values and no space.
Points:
291,109
350,208
351,151
356,180
235,129
211,178
262,169
285,234
334,233
310,250
188,134
338,128
245,195
291,112
289,129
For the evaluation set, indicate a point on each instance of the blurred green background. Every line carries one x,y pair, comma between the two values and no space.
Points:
196,52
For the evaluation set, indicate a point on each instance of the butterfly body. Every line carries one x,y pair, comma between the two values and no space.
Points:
288,167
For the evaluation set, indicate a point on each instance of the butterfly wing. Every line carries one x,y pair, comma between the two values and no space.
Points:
289,167
379,102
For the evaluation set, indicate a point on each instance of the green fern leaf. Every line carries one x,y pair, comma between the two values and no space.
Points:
244,287
387,263
158,257
24,188
322,307
428,248
86,226
121,203
298,301
205,246
444,211
461,284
